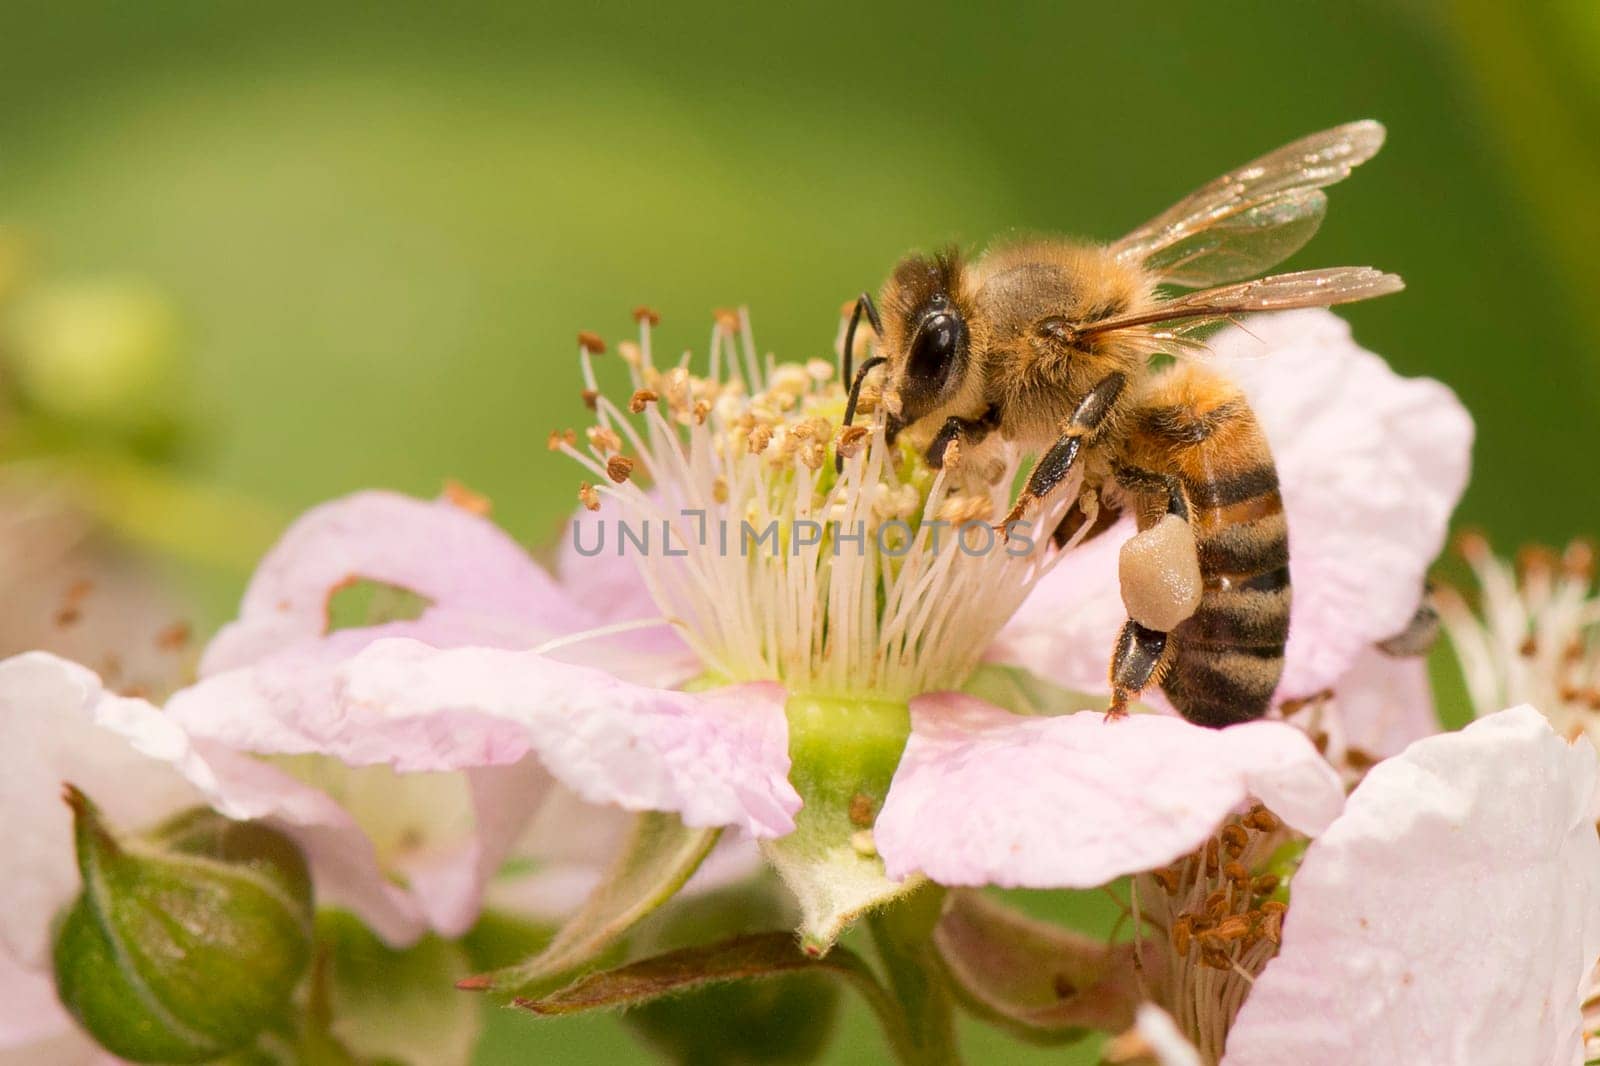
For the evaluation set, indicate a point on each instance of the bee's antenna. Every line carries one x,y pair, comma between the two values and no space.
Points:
863,304
867,367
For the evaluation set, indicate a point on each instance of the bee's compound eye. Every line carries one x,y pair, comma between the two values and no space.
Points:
934,349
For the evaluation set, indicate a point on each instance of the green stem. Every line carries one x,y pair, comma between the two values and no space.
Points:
903,933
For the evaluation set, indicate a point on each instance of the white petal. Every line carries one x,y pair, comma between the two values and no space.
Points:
984,796
1448,917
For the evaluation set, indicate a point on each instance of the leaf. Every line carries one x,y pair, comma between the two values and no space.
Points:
754,955
843,754
657,857
786,1019
1040,981
386,1006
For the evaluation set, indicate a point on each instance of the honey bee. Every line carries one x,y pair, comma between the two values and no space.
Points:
1048,344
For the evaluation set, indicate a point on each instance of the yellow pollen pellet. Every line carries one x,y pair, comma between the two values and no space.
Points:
618,468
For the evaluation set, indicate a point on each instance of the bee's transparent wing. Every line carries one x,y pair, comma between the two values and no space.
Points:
1183,318
1253,218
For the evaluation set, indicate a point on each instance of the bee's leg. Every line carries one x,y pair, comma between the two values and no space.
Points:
1164,563
1054,466
968,430
1142,656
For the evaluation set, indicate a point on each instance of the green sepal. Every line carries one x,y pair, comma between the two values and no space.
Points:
658,856
843,754
1039,981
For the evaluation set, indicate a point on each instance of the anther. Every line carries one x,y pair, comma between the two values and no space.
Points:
1181,934
1535,560
726,318
618,468
646,316
591,398
1235,837
174,637
1265,884
475,503
760,437
1578,560
702,411
1473,546
591,343
1236,874
589,496
1262,819
851,439
560,438
641,399
603,439
1233,927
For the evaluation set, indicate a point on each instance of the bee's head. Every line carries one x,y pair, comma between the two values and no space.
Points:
926,342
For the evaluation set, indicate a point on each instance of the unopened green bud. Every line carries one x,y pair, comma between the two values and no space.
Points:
104,353
185,946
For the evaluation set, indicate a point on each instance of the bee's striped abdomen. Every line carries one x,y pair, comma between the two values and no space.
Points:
1228,656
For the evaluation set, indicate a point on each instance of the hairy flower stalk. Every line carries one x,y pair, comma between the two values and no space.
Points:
885,580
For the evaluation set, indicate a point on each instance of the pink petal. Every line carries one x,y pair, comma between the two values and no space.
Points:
717,758
1371,465
608,585
58,725
29,1010
1383,703
1450,915
463,563
984,796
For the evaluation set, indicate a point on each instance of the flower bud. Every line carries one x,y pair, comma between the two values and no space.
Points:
182,947
105,353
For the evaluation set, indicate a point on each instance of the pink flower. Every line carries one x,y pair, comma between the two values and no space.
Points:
1451,915
442,735
510,679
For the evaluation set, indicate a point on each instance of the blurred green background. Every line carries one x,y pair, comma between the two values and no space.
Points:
375,229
